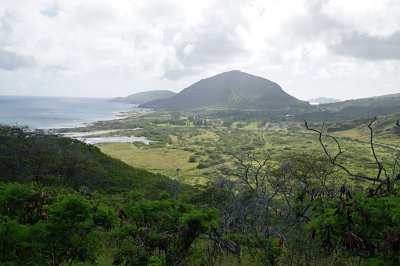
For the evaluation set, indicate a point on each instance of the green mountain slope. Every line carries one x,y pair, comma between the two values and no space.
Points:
233,90
388,95
144,97
385,129
26,156
352,109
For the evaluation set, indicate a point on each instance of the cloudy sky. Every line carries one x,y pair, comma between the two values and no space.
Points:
105,48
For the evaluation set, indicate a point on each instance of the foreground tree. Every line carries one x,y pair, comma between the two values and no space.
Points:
264,206
42,228
364,223
160,231
68,235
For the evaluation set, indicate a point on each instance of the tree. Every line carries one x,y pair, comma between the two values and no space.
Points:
164,228
265,205
361,223
68,233
13,198
192,159
14,242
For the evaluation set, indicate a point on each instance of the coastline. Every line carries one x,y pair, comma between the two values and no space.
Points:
92,135
51,113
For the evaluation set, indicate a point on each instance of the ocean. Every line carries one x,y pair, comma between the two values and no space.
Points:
55,112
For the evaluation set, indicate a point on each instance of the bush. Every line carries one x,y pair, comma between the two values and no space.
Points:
364,224
192,159
161,231
15,242
202,165
68,233
13,197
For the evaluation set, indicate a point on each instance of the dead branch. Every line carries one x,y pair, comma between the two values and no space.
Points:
333,159
378,163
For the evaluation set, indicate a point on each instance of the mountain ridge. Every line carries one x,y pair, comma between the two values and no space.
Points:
352,109
144,97
387,95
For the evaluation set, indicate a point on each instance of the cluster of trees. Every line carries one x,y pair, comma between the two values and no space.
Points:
303,209
37,228
49,227
212,160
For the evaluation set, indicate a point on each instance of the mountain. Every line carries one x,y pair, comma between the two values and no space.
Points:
144,97
323,100
388,95
352,109
234,90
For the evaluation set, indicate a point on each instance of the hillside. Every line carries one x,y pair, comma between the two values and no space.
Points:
352,109
388,95
27,156
144,97
385,129
233,90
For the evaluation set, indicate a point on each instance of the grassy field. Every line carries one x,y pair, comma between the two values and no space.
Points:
173,160
193,153
168,161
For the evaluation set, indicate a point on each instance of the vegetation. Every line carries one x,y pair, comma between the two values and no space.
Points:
250,191
353,109
161,231
46,221
53,160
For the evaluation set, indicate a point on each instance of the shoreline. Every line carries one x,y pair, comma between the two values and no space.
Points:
55,113
119,116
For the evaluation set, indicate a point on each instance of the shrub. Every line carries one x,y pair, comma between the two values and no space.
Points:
192,159
162,230
202,165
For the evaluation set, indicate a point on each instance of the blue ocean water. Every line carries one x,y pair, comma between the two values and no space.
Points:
52,112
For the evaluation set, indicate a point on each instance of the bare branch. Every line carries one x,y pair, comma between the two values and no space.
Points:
333,160
320,139
378,163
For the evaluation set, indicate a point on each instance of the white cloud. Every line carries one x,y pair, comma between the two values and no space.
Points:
376,18
151,44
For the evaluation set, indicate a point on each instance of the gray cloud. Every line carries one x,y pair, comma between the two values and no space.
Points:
216,45
215,40
12,61
5,30
370,48
176,74
314,25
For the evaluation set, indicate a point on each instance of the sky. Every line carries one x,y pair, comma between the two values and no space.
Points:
342,49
